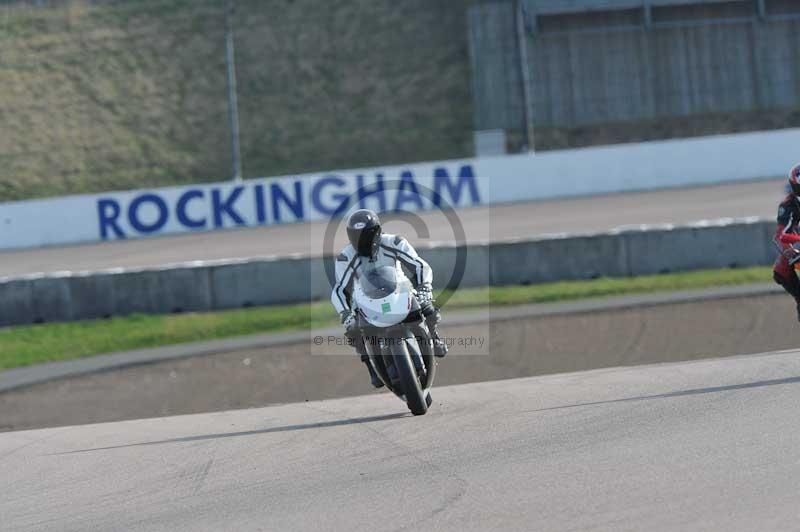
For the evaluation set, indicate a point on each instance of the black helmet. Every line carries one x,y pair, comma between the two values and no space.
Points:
794,180
364,232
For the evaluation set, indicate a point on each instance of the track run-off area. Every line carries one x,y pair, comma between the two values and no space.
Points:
703,445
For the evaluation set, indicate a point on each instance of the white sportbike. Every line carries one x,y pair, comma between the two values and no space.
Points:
397,339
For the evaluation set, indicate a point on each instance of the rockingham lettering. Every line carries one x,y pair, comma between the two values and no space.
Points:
281,200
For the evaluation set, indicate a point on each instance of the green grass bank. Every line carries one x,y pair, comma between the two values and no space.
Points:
121,94
21,346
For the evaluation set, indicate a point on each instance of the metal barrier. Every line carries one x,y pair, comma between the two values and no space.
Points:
270,281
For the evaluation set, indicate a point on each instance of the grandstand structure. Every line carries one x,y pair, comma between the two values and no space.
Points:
586,63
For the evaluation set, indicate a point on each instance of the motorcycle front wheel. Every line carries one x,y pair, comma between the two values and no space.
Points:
408,379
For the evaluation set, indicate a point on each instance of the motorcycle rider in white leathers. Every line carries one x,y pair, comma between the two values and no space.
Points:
368,243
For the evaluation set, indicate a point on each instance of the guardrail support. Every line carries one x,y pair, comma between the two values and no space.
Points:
233,104
761,6
525,74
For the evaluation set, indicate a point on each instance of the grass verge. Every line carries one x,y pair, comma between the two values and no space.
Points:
22,346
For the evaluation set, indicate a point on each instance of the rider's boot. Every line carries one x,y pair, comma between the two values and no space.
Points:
439,345
792,287
373,377
361,349
432,319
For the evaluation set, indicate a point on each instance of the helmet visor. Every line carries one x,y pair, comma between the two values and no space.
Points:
364,241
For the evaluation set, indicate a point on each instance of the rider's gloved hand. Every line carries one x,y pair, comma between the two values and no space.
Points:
792,254
425,295
348,320
432,318
426,306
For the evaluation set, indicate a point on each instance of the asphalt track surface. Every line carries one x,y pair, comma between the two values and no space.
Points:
522,220
705,445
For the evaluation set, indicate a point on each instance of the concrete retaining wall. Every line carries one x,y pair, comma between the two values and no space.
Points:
266,281
461,184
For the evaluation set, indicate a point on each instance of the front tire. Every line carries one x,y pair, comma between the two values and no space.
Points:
407,375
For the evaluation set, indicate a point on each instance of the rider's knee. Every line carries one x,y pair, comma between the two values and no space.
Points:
429,310
433,317
785,280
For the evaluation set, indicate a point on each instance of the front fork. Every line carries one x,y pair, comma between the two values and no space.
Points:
377,355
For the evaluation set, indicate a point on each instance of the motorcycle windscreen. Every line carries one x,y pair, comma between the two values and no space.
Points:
384,296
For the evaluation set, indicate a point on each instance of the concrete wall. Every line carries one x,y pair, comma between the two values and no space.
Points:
255,282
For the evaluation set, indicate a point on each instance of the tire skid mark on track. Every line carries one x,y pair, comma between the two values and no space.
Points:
451,499
34,441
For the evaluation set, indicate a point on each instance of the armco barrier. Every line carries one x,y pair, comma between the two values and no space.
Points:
475,270
262,282
695,247
267,281
51,298
558,258
16,302
93,294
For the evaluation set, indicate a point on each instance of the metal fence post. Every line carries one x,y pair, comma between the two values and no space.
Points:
761,6
233,104
524,65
